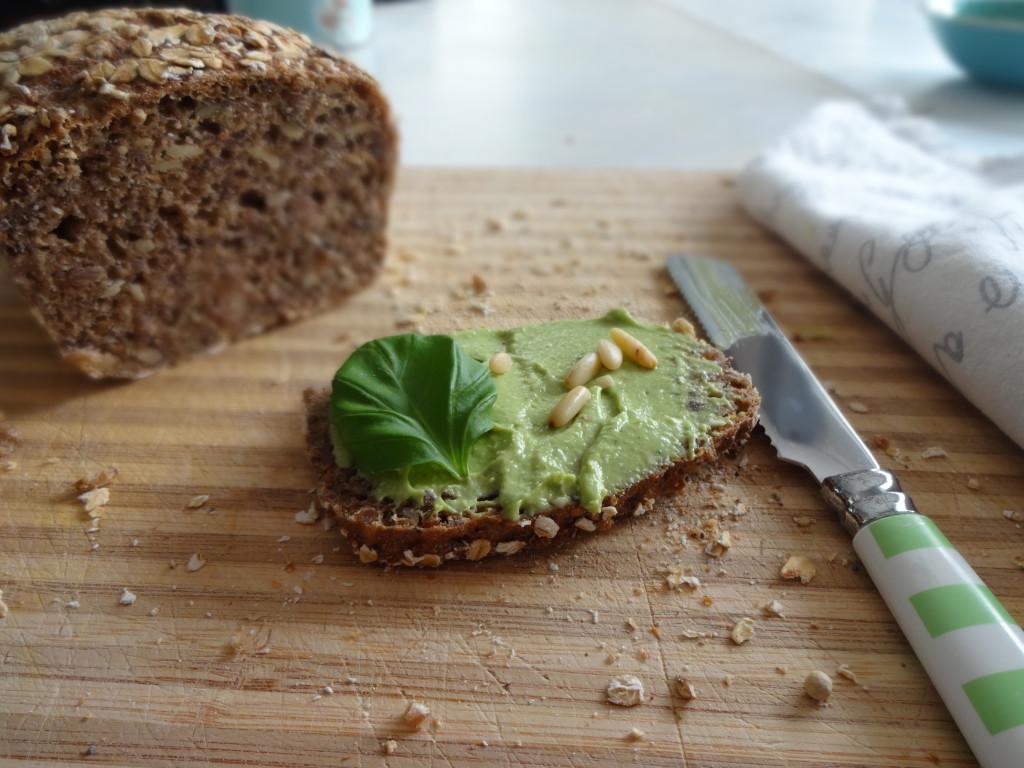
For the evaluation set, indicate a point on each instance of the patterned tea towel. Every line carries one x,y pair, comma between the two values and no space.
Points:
930,240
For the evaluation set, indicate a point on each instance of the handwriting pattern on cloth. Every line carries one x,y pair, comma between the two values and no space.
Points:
888,269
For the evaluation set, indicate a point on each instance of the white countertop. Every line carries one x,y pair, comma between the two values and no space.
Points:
657,83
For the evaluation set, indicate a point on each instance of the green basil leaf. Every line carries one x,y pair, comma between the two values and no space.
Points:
406,400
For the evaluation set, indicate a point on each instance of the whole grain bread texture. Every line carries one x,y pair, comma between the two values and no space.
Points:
378,531
174,181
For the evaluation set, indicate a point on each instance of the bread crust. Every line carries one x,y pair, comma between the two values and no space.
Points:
174,181
379,532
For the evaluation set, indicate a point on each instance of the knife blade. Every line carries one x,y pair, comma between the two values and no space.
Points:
970,646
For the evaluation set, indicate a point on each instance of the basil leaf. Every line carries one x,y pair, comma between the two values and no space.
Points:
406,400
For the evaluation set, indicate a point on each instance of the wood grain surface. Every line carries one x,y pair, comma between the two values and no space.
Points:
234,663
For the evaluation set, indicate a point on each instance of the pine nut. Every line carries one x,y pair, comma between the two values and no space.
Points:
568,407
583,371
682,325
635,349
500,363
611,355
605,382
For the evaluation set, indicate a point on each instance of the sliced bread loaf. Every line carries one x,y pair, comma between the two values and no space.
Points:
174,181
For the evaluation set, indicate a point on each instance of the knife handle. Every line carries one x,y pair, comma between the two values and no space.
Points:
970,646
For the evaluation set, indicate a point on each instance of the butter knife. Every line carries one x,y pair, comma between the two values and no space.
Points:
970,646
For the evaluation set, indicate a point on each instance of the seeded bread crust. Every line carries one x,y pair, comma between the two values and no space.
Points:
378,532
174,181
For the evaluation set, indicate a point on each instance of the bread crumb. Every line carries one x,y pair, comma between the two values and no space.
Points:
742,630
1019,560
857,407
94,499
195,562
774,608
677,578
799,567
818,686
72,604
973,483
4,610
389,747
197,501
94,480
478,283
127,597
415,715
308,516
625,691
635,734
718,546
9,439
1013,514
804,521
933,452
684,689
844,670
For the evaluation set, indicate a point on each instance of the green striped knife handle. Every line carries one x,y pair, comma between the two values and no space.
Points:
971,648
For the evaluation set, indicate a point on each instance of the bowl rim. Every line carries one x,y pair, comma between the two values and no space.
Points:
949,11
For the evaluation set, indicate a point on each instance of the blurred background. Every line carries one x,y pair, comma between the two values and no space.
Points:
647,83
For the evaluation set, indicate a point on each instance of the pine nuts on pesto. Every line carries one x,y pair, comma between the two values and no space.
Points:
634,349
500,363
611,355
604,382
583,371
569,406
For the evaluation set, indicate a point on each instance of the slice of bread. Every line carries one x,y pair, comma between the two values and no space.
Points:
380,532
174,181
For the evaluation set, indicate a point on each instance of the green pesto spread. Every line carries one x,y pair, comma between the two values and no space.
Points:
649,419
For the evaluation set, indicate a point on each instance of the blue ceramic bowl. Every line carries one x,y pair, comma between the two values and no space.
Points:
984,37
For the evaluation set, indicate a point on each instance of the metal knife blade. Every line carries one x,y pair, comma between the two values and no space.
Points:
971,647
803,422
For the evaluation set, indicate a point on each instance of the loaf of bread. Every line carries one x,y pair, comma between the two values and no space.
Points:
174,181
380,532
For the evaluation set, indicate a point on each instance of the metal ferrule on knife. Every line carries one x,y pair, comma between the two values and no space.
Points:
864,496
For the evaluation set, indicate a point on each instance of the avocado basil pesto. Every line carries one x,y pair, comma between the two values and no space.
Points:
649,419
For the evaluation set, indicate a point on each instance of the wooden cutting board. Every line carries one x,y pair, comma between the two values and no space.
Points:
283,650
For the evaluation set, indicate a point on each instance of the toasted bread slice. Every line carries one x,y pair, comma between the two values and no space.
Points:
380,531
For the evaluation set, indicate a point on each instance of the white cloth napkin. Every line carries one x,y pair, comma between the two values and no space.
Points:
930,240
